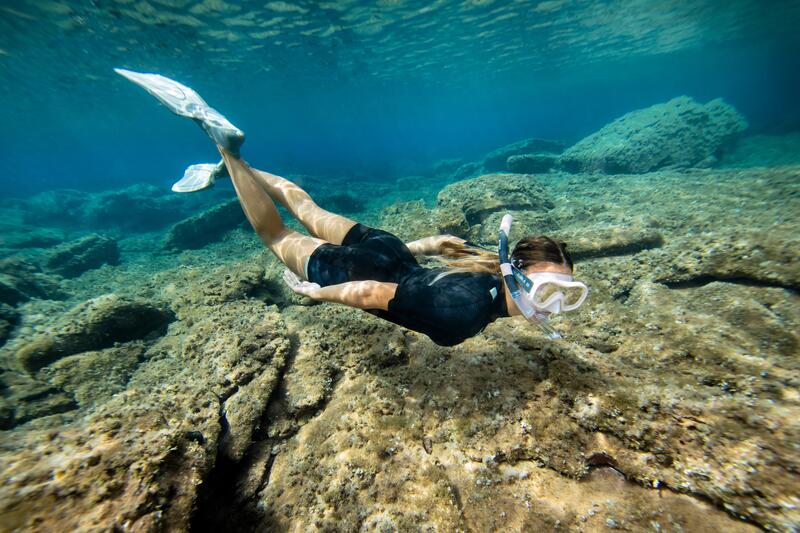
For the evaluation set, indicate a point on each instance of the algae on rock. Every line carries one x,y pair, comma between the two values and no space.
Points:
92,325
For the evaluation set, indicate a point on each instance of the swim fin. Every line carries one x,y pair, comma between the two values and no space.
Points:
200,176
184,101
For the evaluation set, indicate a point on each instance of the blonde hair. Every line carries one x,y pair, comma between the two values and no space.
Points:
528,251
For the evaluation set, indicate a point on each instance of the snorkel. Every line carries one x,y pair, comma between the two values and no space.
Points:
514,278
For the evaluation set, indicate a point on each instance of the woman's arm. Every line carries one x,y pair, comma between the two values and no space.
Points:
432,245
359,294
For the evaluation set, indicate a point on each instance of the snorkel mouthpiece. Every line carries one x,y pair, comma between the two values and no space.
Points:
511,275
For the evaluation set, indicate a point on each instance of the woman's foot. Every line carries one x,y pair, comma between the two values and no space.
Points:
184,101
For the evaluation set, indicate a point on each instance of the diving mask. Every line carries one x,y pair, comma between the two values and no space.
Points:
542,293
551,292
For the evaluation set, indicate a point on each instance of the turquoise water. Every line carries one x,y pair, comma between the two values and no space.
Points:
373,90
157,373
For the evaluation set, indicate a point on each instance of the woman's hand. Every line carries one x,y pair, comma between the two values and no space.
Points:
305,288
433,245
450,240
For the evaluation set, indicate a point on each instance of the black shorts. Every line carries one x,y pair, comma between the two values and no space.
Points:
365,254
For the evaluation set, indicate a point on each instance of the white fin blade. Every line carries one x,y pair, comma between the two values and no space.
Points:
196,178
179,98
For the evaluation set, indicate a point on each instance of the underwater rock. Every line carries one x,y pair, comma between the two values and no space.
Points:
677,134
73,258
23,398
531,163
21,280
341,203
9,317
244,409
244,417
525,223
603,241
92,325
61,207
199,286
446,166
137,460
408,220
45,402
244,347
467,170
138,208
746,256
144,457
31,238
206,227
450,220
493,430
477,198
9,293
94,377
496,160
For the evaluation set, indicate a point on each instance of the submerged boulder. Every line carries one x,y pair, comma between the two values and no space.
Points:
24,398
446,166
21,280
27,237
530,163
92,325
479,197
61,207
94,377
9,317
472,208
680,133
76,257
138,208
521,157
408,220
206,227
496,160
467,170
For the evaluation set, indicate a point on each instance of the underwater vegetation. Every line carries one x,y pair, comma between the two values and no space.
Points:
157,374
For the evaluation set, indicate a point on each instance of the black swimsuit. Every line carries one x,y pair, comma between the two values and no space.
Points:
448,307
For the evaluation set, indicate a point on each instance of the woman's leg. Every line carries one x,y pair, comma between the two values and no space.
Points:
319,222
291,247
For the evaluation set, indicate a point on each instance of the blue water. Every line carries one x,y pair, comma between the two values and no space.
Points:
372,90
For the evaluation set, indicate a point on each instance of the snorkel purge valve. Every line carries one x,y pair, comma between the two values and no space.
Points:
512,276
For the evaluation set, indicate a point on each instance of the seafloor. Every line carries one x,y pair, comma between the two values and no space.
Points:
157,375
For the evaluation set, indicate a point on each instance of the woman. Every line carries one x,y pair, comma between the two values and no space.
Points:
348,263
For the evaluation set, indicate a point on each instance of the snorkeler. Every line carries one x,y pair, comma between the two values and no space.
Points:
348,263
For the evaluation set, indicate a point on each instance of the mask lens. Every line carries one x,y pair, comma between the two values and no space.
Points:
571,295
544,292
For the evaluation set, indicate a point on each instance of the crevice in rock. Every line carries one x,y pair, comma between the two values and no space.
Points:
705,279
220,504
699,496
621,249
604,460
